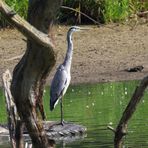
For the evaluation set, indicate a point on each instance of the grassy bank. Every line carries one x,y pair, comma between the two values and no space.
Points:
103,11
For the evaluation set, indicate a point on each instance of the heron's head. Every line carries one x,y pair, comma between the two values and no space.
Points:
74,28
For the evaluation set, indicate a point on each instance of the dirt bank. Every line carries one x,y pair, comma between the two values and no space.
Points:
100,54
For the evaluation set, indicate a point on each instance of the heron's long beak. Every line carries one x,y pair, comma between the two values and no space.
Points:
84,28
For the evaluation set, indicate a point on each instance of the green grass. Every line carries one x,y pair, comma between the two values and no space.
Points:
20,6
116,10
138,5
103,11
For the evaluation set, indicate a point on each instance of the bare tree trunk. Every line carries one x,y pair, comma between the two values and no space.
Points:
30,73
121,129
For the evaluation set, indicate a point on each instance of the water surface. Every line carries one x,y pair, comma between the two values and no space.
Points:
96,106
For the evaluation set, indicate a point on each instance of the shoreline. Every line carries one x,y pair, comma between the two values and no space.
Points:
100,54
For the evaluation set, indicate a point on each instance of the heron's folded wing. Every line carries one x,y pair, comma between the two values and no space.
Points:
58,84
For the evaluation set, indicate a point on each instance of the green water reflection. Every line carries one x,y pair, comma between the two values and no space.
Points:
96,106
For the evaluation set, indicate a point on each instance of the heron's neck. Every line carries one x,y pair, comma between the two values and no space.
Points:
68,57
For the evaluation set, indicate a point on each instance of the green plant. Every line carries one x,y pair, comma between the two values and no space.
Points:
138,5
20,6
100,10
116,10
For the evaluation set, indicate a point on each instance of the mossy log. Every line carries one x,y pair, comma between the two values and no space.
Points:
54,130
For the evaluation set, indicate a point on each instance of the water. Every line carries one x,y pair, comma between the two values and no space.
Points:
97,106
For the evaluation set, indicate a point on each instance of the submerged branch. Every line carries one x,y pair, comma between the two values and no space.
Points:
111,128
121,129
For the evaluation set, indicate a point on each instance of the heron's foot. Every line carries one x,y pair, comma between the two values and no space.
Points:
62,122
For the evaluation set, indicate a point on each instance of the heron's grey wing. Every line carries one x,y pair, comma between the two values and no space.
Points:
57,86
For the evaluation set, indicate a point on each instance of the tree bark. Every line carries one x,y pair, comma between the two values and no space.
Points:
30,73
11,110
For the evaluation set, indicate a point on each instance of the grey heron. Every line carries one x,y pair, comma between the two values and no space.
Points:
62,76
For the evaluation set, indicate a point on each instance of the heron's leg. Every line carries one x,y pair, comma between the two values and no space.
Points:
62,120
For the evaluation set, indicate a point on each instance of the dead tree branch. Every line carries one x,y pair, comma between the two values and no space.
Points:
10,107
17,132
23,26
90,18
13,119
14,58
29,75
121,129
142,14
